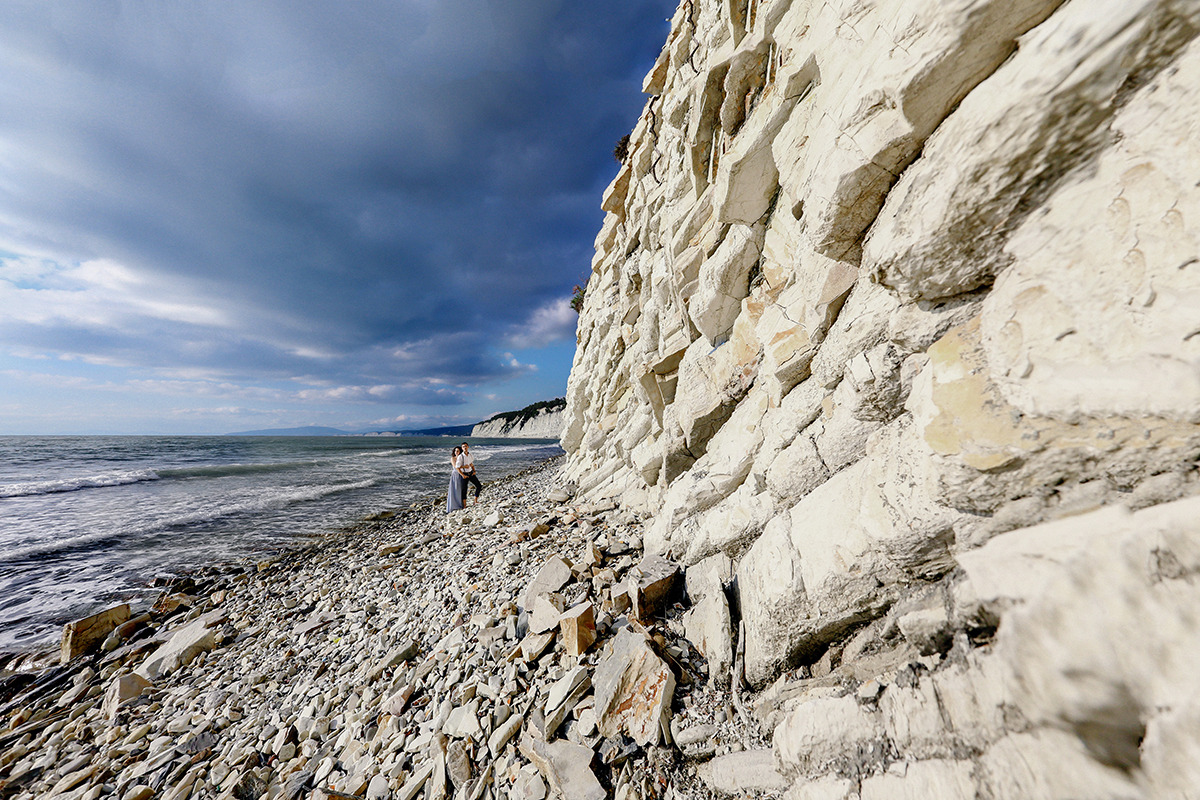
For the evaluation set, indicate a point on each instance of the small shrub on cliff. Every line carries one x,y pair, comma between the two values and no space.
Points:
577,297
622,149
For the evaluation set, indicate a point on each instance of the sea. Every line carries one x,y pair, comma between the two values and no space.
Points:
89,521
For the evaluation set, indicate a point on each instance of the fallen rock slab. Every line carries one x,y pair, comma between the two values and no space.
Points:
416,783
578,627
123,689
407,651
84,634
553,575
545,612
463,721
532,646
565,686
708,626
738,773
650,584
634,688
562,698
504,733
182,648
567,767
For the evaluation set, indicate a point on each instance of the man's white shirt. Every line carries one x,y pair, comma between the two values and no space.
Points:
465,460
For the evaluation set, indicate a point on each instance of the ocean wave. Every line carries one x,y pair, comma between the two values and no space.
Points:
408,451
227,470
209,513
60,485
264,502
58,546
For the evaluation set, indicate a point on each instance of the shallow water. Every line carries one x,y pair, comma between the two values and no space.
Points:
86,521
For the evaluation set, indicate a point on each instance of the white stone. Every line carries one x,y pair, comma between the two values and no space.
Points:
179,651
123,689
707,625
463,721
634,688
819,732
739,773
552,576
504,733
941,779
567,766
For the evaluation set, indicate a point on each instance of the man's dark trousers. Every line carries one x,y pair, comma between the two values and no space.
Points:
471,478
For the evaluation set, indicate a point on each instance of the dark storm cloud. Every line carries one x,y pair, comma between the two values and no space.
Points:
366,193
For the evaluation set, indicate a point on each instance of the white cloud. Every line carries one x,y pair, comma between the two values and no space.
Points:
99,292
553,322
511,362
420,392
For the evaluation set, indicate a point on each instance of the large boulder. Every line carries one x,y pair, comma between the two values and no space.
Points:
82,635
180,650
634,688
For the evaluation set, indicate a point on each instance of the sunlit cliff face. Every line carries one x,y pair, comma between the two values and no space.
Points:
882,289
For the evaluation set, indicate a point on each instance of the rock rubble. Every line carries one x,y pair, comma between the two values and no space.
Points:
398,659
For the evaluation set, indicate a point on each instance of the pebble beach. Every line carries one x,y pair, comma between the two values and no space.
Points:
521,648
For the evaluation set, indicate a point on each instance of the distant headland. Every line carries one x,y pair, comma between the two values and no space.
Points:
541,420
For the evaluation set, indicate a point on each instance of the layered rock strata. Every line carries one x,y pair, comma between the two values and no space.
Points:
893,299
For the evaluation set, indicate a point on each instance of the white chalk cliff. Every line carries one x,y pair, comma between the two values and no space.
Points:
545,424
894,323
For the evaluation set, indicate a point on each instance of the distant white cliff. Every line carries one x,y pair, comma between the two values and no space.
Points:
538,421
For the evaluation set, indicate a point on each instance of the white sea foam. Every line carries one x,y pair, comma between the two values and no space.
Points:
60,485
268,501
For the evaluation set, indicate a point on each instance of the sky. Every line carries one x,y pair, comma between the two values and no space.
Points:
222,216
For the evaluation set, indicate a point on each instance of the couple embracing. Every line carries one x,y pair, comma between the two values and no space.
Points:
462,465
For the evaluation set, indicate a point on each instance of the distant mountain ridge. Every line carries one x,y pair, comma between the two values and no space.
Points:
307,430
445,430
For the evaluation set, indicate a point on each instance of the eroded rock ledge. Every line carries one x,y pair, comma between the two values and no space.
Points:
894,300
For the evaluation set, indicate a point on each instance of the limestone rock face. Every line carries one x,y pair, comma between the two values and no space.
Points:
888,298
546,425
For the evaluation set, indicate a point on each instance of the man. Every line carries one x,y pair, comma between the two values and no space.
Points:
466,468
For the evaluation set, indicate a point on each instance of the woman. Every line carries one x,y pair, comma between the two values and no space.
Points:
454,497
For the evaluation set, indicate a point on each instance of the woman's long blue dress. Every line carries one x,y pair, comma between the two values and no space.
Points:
454,496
